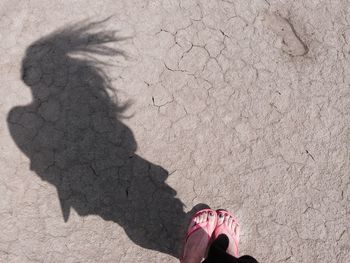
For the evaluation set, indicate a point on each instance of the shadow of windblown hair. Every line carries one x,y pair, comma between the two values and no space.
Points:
82,43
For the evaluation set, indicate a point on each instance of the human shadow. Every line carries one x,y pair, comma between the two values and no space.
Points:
73,134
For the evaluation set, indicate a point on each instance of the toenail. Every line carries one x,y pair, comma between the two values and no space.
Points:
221,215
211,213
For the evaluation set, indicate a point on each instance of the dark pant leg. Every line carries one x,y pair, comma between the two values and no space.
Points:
247,259
217,253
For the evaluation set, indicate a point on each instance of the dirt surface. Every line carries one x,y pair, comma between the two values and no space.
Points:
119,117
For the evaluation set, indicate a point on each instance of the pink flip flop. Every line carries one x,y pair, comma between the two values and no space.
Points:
218,229
204,225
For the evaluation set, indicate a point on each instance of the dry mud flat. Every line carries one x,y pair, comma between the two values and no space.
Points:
291,43
112,132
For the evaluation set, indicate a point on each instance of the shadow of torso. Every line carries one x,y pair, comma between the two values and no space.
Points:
75,140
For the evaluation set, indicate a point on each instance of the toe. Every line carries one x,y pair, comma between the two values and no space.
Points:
220,218
205,216
192,223
230,224
226,220
211,216
196,219
201,217
212,221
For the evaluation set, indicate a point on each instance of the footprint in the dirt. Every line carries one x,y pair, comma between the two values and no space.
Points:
291,43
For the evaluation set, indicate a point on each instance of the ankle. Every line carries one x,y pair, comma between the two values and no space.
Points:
190,261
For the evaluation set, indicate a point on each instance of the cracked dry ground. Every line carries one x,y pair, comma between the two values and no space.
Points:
112,132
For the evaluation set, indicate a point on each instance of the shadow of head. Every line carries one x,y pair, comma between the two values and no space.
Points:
73,134
67,52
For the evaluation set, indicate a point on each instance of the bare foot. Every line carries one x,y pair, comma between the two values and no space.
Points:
197,241
228,226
